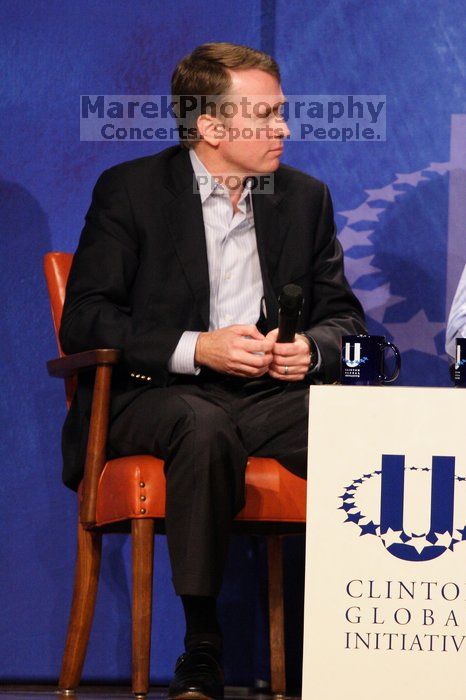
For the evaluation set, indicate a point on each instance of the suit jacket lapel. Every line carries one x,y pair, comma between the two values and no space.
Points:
271,233
186,223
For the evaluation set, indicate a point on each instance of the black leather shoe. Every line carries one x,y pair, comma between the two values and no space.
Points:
198,675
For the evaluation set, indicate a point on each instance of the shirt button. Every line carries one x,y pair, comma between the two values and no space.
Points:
227,276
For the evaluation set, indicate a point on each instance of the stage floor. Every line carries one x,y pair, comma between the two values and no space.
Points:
41,692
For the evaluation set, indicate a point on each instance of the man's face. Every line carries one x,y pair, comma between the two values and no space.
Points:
252,140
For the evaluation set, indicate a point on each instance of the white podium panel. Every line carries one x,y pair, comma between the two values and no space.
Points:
385,598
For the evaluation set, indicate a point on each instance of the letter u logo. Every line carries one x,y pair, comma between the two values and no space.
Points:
356,357
441,508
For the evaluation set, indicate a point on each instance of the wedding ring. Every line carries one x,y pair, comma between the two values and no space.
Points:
286,369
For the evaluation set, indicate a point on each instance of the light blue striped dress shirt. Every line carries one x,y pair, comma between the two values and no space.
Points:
236,287
456,327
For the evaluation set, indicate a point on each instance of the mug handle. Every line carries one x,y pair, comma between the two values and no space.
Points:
396,352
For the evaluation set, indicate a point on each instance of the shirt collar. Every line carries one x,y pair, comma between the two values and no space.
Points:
207,185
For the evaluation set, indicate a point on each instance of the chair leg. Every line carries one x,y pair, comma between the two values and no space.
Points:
276,615
142,532
82,609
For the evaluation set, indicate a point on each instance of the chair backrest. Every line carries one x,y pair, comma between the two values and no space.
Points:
57,269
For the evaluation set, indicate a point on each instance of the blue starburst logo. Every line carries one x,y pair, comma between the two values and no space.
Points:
374,503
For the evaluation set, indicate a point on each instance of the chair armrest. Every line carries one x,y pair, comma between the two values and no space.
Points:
70,364
96,443
103,360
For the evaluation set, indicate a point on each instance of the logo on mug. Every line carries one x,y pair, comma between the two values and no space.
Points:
381,495
459,362
357,359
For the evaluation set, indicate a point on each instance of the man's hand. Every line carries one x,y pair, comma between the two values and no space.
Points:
235,350
290,361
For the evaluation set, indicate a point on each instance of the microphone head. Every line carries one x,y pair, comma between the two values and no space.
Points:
291,299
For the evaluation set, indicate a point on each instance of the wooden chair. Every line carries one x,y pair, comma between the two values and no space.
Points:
128,494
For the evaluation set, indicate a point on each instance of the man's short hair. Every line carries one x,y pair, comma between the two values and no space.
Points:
205,71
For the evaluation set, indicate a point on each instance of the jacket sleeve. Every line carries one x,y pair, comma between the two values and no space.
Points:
97,309
335,309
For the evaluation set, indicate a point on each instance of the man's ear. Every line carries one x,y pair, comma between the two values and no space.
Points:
210,129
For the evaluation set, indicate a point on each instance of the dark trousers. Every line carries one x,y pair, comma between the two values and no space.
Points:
205,431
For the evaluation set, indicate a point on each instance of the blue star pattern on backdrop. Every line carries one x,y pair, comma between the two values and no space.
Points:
382,260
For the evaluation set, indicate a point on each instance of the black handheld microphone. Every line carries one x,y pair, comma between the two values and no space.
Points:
290,307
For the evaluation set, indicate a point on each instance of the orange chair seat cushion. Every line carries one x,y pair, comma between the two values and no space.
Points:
132,487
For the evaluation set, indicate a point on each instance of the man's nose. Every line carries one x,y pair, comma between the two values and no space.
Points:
281,128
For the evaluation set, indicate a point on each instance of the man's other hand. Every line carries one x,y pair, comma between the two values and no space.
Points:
290,361
239,350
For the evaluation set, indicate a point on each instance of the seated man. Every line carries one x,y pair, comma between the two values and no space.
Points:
456,327
183,274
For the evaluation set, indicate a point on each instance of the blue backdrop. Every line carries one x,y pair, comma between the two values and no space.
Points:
399,214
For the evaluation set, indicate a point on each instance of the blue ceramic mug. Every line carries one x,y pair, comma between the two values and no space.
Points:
363,359
459,368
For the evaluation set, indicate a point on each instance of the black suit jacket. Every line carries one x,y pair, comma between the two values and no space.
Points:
140,276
